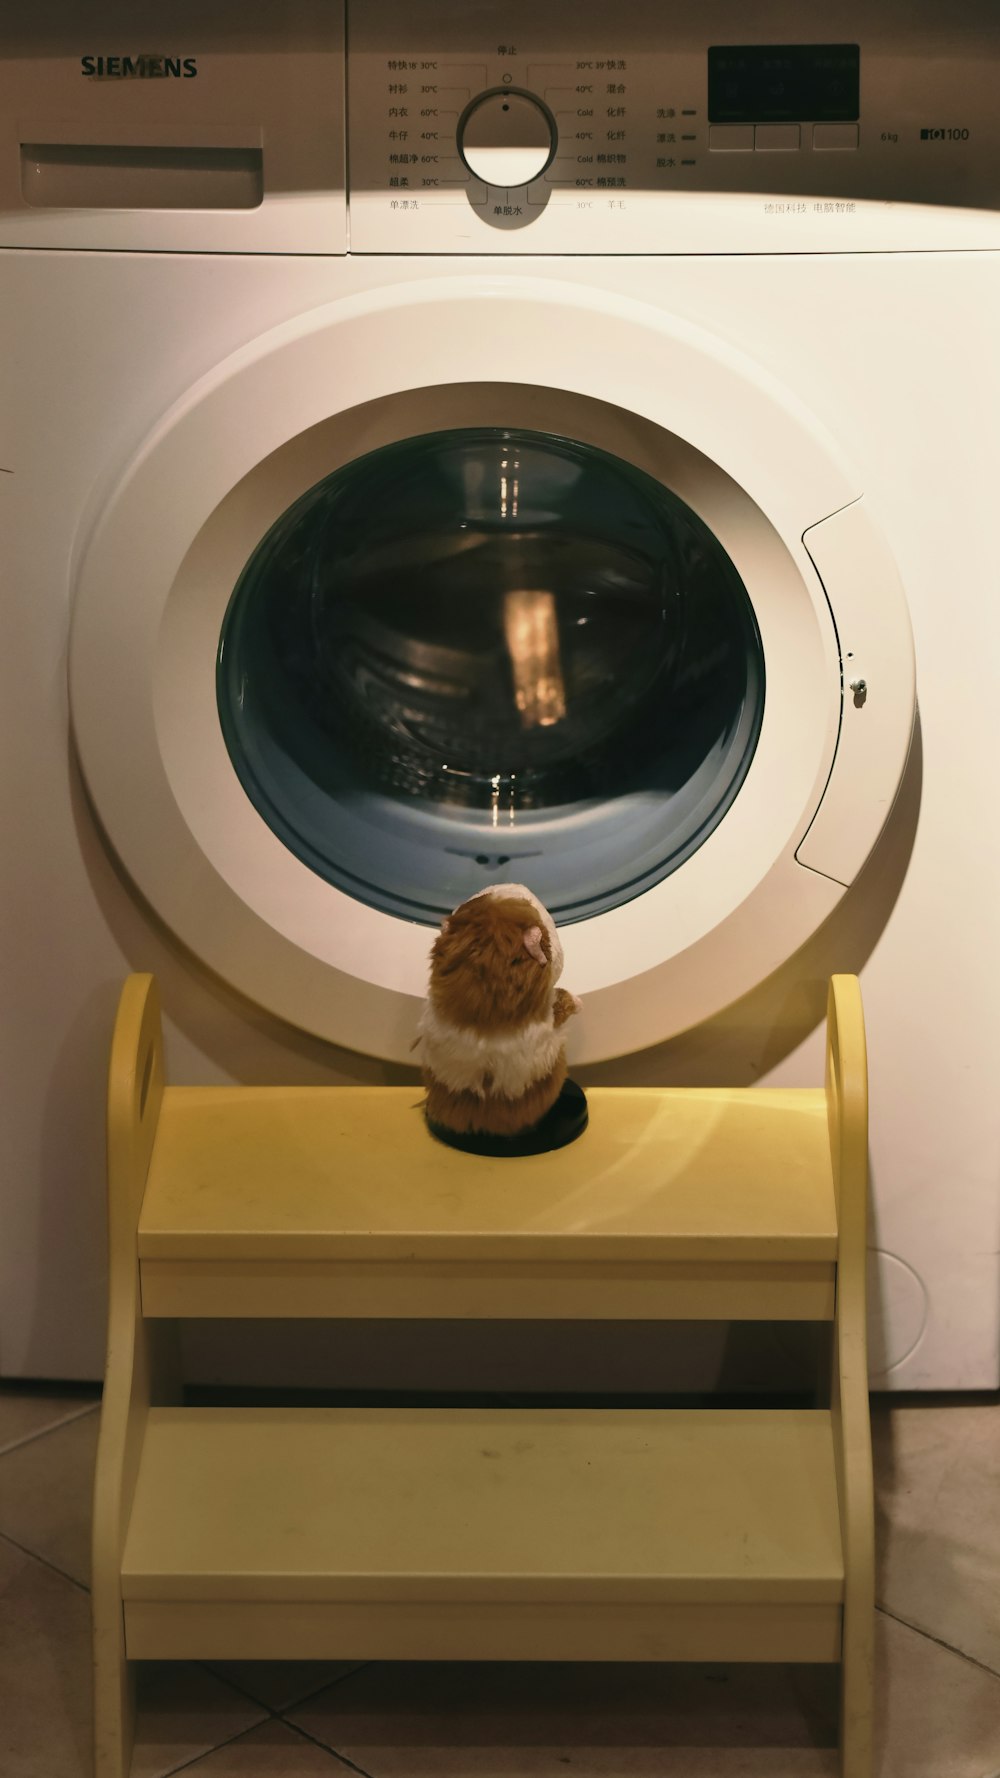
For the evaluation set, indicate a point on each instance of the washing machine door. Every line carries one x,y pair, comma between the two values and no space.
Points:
384,629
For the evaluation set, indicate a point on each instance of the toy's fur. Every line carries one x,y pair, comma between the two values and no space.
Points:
490,1032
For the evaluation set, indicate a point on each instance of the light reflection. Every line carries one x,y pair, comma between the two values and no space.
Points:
509,488
531,632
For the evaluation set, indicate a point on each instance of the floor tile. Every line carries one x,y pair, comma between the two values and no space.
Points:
27,1409
45,1709
45,1686
281,1684
937,1490
937,1715
45,1495
272,1751
184,1710
601,1721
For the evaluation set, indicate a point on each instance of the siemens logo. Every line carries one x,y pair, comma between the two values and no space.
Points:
139,67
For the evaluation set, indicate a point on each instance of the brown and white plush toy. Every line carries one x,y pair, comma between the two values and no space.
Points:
490,1034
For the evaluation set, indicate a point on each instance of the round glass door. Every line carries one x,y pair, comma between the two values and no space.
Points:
485,654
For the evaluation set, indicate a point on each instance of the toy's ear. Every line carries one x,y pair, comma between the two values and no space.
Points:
446,922
533,944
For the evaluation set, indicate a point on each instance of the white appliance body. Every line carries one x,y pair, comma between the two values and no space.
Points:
788,325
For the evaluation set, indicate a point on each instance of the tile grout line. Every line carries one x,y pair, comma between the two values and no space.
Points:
315,1742
278,1710
929,1636
29,1438
206,1753
271,1714
5,1537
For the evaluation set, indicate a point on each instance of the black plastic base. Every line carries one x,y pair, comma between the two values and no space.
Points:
562,1124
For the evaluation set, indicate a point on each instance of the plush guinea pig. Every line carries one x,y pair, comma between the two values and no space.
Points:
490,1038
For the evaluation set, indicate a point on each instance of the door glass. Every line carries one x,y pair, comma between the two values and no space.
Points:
483,655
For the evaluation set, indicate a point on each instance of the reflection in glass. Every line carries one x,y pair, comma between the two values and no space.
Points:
489,653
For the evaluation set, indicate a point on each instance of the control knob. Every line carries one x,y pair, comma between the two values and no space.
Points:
506,137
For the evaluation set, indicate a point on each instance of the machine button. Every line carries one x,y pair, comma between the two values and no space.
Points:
770,137
835,135
506,138
733,137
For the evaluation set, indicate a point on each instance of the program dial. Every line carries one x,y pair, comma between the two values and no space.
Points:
506,137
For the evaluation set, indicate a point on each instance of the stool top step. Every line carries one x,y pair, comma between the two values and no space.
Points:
352,1172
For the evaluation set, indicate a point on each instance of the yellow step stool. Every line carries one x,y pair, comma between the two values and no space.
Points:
481,1533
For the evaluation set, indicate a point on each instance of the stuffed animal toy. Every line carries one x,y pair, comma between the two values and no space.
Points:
490,1033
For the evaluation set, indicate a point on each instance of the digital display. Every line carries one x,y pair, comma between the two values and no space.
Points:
784,83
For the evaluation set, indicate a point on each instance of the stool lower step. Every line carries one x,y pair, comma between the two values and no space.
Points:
489,1533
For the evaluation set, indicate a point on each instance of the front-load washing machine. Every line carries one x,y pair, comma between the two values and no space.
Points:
461,445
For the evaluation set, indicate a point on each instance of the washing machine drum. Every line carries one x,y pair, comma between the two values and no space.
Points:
347,649
490,652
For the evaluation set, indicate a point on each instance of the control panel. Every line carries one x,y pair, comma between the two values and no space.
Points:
575,127
565,127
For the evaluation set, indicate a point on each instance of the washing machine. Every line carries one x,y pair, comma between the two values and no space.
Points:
452,445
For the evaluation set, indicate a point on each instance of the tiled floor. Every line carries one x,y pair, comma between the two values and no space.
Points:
938,1504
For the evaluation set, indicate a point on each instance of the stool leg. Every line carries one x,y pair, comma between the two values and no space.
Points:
141,1361
114,1695
847,1105
857,1698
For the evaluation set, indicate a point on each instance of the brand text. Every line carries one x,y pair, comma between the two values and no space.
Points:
139,67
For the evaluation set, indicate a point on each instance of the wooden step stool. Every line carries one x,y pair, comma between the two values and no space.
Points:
471,1533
